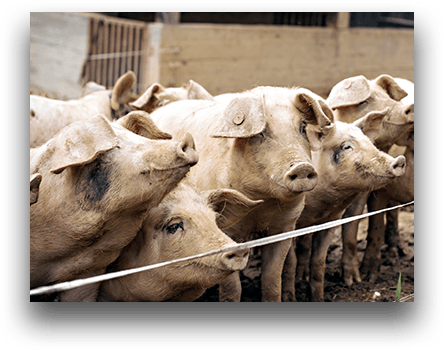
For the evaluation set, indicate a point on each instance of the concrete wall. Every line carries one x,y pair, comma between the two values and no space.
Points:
226,58
58,43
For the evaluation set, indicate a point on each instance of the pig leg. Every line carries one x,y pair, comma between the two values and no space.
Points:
303,250
321,242
288,274
273,258
230,289
375,237
350,264
395,244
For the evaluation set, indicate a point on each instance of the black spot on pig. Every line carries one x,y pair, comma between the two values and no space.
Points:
92,184
337,155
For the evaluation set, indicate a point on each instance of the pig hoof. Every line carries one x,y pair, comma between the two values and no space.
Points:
372,278
288,297
350,277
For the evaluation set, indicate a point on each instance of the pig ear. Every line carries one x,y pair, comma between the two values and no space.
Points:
231,205
371,123
140,123
243,117
34,182
349,92
80,143
197,92
391,87
316,114
148,100
122,90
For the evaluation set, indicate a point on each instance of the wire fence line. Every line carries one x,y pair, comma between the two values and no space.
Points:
238,246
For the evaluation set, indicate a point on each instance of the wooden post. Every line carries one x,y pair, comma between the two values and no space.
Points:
343,20
151,70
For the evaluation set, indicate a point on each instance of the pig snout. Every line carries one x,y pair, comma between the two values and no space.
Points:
186,150
234,261
301,177
398,166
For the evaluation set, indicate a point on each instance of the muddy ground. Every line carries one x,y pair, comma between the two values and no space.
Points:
334,289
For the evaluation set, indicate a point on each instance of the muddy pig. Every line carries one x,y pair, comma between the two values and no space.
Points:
351,99
258,143
184,224
98,181
347,164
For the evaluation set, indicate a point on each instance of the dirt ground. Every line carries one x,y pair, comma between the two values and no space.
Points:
335,289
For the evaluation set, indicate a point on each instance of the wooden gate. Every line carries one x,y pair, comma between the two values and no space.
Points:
115,46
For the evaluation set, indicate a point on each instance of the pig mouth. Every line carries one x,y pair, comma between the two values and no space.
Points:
366,172
210,268
149,171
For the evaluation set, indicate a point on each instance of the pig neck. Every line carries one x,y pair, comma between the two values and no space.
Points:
325,202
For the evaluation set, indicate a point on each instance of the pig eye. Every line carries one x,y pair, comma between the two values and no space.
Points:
363,103
346,146
303,128
172,229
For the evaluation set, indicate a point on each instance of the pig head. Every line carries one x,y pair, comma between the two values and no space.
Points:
185,223
98,181
354,97
157,96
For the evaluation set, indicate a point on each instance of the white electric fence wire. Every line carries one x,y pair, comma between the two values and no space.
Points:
251,244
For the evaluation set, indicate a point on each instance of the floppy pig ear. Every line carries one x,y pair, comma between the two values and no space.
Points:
349,92
316,114
81,142
244,117
389,84
231,205
148,101
122,90
371,123
140,123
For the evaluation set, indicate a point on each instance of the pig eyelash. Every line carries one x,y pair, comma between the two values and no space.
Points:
172,229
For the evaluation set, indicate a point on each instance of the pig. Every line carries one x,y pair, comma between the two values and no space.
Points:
49,116
351,99
402,187
157,95
34,182
184,224
98,181
259,143
348,163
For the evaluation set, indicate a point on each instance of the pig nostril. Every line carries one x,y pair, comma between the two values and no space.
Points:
231,256
293,177
245,255
184,149
309,176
